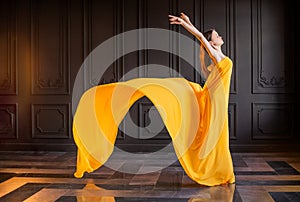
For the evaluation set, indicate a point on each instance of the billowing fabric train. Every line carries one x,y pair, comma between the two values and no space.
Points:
195,117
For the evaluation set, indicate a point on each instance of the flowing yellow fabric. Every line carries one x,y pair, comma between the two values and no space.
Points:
195,117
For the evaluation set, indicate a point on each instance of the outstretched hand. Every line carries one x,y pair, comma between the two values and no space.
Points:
214,50
175,20
179,20
185,18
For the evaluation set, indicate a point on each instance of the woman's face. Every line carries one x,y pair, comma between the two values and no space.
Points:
216,39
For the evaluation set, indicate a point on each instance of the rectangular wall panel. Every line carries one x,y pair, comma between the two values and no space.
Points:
222,18
50,121
232,120
272,121
8,83
8,121
100,26
50,47
272,63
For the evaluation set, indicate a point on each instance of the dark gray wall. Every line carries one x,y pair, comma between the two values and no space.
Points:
43,43
297,69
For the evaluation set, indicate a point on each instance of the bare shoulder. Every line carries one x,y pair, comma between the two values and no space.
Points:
219,58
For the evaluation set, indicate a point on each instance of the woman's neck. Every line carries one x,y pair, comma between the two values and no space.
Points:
218,48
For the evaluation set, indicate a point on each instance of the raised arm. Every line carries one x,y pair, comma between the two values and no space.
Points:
185,22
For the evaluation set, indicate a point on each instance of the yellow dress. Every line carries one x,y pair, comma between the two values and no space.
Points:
195,117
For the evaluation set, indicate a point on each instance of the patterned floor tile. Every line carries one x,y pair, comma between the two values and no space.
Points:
48,176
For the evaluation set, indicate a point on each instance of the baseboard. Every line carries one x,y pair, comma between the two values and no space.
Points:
266,148
134,148
37,147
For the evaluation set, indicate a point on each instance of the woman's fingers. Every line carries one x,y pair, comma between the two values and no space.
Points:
185,18
176,23
172,16
184,15
175,20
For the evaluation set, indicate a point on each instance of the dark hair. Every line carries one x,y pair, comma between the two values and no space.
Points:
207,34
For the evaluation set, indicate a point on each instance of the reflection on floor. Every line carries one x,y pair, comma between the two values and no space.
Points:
48,176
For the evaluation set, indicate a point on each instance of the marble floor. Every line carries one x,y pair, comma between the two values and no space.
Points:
48,176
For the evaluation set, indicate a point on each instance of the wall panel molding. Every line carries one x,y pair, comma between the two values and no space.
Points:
271,65
96,31
198,14
50,121
231,41
119,27
232,120
8,69
272,121
143,22
50,47
148,114
229,34
8,121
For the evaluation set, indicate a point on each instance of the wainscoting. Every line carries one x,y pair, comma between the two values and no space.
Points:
44,43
